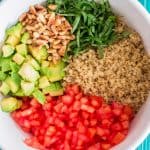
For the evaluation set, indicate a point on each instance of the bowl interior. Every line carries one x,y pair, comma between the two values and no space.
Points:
11,137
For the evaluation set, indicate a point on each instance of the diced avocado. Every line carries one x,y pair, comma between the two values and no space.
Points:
15,30
39,96
13,83
43,82
14,67
19,93
22,49
33,62
18,58
56,71
10,104
45,63
2,76
45,71
54,89
16,78
28,73
37,53
27,88
12,40
7,50
25,37
5,64
4,88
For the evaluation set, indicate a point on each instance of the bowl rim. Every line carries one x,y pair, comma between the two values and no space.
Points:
146,16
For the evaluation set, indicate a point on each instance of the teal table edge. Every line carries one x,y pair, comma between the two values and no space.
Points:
146,144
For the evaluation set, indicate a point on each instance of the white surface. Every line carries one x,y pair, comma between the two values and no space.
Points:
11,138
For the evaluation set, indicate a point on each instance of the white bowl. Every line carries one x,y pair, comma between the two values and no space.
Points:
11,137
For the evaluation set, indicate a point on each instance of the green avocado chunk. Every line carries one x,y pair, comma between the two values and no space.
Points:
22,49
56,71
10,104
27,87
18,58
4,88
28,73
25,37
54,89
39,96
7,50
38,54
30,60
13,83
43,82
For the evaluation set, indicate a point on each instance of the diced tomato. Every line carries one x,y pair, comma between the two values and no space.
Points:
79,96
127,110
84,100
76,105
74,121
96,146
119,137
124,117
87,108
67,99
51,130
100,131
91,132
125,124
93,122
75,88
106,123
116,127
106,146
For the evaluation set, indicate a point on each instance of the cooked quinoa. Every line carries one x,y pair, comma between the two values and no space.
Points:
123,74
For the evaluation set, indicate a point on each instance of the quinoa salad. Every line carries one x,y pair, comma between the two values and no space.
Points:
73,75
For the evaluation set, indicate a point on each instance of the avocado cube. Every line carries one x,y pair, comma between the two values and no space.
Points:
15,30
17,58
10,104
33,62
19,93
12,40
7,50
43,82
25,37
27,87
12,84
22,49
54,89
4,88
37,53
56,71
45,63
16,78
5,64
39,96
2,76
14,67
28,73
45,71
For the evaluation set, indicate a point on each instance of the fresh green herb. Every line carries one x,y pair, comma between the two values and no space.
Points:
93,23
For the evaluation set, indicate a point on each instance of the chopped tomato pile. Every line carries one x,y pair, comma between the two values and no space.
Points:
73,121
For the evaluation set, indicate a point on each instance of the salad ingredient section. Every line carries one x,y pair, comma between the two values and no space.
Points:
93,24
47,29
25,69
73,121
122,75
51,50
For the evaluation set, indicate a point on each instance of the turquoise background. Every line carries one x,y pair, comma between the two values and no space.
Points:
146,144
